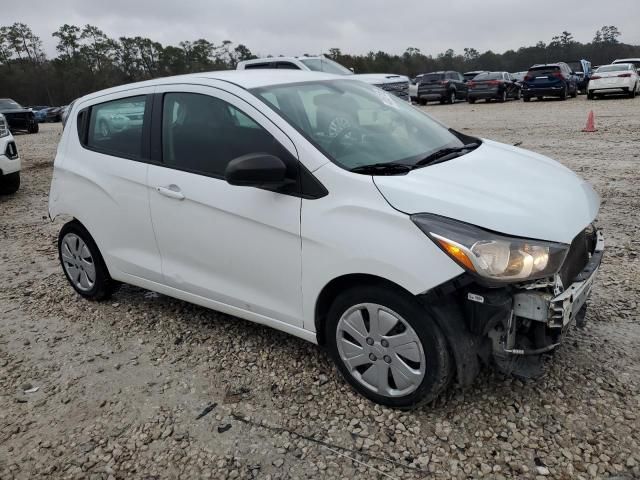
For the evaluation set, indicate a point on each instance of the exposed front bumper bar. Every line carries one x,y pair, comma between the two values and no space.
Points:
560,310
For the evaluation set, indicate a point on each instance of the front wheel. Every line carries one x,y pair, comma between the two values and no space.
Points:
452,97
387,346
632,92
34,127
9,183
471,100
518,94
526,99
503,97
422,101
83,264
590,95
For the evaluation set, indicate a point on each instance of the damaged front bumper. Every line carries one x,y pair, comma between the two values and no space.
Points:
513,326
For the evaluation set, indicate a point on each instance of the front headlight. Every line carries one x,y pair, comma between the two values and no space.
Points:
492,255
4,126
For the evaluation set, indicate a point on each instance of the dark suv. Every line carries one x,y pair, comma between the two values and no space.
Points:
550,80
18,117
442,86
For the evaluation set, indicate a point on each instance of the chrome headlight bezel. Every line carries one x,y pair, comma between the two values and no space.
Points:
493,256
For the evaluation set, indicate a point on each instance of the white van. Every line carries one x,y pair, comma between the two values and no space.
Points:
9,160
331,210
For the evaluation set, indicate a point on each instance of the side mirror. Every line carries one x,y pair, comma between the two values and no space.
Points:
256,170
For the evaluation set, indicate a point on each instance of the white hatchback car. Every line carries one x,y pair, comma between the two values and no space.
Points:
9,160
615,78
331,210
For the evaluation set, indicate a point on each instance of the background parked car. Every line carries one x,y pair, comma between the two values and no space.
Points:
582,70
493,86
18,117
398,85
550,80
413,87
468,76
634,61
53,114
445,86
615,78
9,160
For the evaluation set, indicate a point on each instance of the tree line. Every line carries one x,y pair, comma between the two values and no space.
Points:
88,59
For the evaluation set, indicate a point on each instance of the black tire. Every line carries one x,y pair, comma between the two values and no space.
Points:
452,97
103,286
518,94
34,127
563,95
590,95
526,99
632,92
503,97
438,358
471,100
422,101
9,183
539,98
574,94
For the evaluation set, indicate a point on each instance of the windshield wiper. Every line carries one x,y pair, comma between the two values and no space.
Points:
383,169
445,154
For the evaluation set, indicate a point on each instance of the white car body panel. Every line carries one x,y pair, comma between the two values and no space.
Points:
479,188
266,257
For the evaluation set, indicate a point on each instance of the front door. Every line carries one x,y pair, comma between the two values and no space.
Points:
239,246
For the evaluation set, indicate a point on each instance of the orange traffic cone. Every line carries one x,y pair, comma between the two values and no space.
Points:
591,125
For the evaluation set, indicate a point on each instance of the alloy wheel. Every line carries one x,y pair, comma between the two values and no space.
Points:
78,262
380,350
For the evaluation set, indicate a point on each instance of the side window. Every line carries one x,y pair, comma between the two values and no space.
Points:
287,66
202,134
253,66
115,127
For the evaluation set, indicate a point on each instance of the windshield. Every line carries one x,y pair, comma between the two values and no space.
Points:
432,77
8,103
325,65
356,124
614,68
489,76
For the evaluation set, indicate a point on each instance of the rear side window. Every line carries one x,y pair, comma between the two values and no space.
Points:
253,66
286,66
115,128
202,134
432,77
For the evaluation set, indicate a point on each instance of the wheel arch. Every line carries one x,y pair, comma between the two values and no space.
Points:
340,284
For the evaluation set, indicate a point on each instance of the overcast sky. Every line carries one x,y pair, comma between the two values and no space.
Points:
294,27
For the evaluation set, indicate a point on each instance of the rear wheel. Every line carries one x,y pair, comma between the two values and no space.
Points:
518,94
471,100
9,183
422,101
539,99
503,97
452,97
526,99
387,346
83,264
563,95
34,127
590,95
574,94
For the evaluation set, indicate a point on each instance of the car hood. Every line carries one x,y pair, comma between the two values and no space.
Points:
380,78
501,188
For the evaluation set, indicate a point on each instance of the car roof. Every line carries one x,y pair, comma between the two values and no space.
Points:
246,79
625,60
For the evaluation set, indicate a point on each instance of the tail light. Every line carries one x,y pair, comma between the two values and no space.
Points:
558,75
494,82
443,82
596,77
528,78
471,83
624,75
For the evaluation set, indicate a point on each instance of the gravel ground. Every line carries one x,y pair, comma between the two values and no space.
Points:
118,389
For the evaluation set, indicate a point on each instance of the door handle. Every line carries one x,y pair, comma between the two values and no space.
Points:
171,191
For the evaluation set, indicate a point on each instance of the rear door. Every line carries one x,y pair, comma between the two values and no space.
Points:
108,189
238,246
